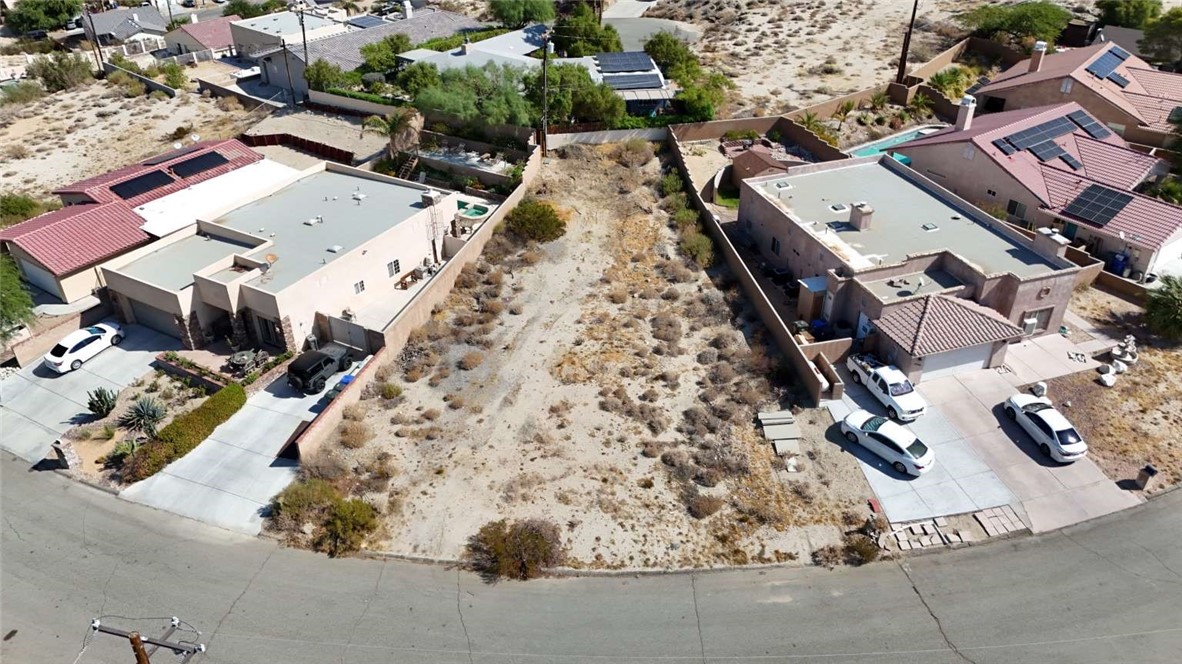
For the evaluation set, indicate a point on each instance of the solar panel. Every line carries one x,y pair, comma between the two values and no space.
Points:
1118,79
1103,66
142,184
1043,132
1089,124
1071,161
1004,145
1119,52
366,21
205,162
1047,150
169,156
982,81
1097,204
633,82
610,63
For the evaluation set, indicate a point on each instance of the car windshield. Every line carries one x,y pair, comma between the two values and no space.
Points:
58,350
899,389
917,449
874,423
94,330
1036,406
1068,437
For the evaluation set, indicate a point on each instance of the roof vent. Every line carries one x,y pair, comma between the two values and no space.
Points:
336,248
310,222
930,227
839,207
358,196
783,185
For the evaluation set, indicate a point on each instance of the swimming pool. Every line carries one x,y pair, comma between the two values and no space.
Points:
885,144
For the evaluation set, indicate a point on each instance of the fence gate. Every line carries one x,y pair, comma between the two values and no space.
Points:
348,333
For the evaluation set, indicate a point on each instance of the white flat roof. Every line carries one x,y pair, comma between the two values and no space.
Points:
208,199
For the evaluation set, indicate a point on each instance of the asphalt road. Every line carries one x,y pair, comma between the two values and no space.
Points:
1109,591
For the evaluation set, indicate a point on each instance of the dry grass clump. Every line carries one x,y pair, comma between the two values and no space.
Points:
353,411
619,402
471,360
667,328
676,271
431,414
633,153
828,556
455,401
354,434
617,296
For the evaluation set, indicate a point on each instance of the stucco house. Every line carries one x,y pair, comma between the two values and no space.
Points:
1116,87
116,26
881,250
210,35
269,32
1044,166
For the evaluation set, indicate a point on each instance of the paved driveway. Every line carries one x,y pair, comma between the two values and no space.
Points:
38,405
229,479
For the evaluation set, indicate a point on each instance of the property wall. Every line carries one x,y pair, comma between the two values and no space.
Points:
45,336
151,84
319,149
247,100
971,179
359,106
554,141
701,131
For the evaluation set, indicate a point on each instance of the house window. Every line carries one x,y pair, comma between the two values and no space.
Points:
359,288
991,193
776,246
969,152
1041,316
393,267
1118,129
1065,87
1016,209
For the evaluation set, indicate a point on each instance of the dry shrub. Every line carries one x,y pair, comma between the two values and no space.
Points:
670,294
724,341
413,374
633,153
520,550
617,296
649,293
722,373
439,376
708,476
667,328
860,549
676,272
471,360
652,449
516,309
229,104
671,379
708,356
303,501
389,391
431,414
829,556
456,402
700,506
384,373
353,411
494,307
325,466
355,434
531,256
804,491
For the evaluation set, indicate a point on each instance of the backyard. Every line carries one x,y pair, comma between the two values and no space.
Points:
600,382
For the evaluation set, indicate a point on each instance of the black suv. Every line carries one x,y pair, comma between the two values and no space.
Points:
310,371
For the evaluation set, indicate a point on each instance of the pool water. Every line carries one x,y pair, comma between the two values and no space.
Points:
474,211
885,144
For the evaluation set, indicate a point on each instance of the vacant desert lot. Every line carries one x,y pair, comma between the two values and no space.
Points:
600,382
73,135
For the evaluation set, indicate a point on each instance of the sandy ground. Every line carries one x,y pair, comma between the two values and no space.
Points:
73,135
1139,420
580,415
339,131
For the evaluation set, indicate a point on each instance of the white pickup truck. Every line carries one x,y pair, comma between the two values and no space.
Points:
888,385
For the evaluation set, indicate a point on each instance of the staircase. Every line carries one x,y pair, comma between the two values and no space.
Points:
408,167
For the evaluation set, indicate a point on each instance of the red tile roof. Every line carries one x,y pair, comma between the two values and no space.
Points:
74,237
1153,221
940,323
214,33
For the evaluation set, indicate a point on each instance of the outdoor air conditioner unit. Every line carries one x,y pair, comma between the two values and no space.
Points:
1029,326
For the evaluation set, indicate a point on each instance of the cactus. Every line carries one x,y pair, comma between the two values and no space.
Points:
143,415
101,401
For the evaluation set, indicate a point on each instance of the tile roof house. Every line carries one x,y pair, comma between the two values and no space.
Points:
119,25
60,251
1034,163
210,35
1116,87
940,323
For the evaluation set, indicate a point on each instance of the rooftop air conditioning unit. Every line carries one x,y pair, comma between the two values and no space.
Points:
839,207
783,185
336,248
432,197
1029,326
358,196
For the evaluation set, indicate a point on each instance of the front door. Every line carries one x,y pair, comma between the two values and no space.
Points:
827,306
268,331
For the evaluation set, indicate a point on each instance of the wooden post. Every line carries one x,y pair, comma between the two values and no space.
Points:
137,646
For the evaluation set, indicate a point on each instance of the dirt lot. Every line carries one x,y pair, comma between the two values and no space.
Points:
73,135
1139,420
600,382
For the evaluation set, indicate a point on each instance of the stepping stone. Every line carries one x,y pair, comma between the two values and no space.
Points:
781,431
777,417
786,447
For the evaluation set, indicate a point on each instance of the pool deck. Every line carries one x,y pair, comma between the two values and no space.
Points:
883,144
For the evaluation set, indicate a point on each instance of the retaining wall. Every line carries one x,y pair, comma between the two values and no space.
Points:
247,100
153,85
357,106
607,136
30,350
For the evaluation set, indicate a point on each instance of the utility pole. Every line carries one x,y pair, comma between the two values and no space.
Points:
545,90
185,651
906,45
304,36
137,646
98,52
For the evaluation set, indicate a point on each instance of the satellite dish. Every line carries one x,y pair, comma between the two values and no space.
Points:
177,146
271,258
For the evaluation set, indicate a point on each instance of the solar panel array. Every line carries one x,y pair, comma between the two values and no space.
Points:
1103,66
982,81
633,81
169,156
1089,124
1047,150
142,184
205,162
1044,132
1004,145
1118,79
612,63
366,21
1097,204
1071,161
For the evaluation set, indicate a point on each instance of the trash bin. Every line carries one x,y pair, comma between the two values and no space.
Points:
1145,476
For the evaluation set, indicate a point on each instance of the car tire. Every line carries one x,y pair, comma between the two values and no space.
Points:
1012,414
852,437
346,362
899,467
892,413
1046,450
75,365
318,385
857,378
117,339
296,383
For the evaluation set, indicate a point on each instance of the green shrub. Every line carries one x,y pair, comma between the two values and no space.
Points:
699,247
685,218
536,220
304,501
455,41
741,135
174,76
184,433
521,550
21,93
390,391
675,201
1163,308
61,71
670,184
365,96
123,449
349,523
101,401
143,415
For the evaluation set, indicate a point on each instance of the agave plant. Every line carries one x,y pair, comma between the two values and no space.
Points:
879,100
143,415
123,449
100,401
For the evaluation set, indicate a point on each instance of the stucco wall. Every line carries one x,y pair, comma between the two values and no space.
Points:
971,179
1047,92
347,103
611,136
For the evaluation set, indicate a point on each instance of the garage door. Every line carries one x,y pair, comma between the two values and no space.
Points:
955,361
157,319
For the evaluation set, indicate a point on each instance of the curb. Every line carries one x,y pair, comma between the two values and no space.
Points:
86,482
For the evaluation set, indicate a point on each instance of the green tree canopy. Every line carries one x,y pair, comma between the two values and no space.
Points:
16,304
61,71
42,14
382,56
246,9
491,93
1163,308
520,13
1020,24
674,57
1163,38
580,34
322,75
574,96
416,77
1128,13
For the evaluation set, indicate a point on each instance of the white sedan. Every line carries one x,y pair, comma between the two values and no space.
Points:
1053,434
81,345
893,442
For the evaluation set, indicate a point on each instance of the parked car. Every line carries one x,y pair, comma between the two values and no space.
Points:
889,385
80,345
1051,431
311,370
893,442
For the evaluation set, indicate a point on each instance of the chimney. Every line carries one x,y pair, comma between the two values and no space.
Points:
135,17
860,215
964,114
1040,50
1050,243
193,17
407,10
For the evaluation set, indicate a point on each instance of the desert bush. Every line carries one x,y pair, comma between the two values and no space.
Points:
860,549
413,373
353,411
708,356
676,458
355,434
722,373
61,71
101,401
519,550
677,272
185,432
303,501
708,476
699,247
649,293
634,152
516,309
21,93
617,296
700,506
494,307
456,402
229,104
685,218
671,294
349,522
652,449
431,414
143,415
383,373
471,360
666,327
390,391
675,201
536,220
671,184
829,556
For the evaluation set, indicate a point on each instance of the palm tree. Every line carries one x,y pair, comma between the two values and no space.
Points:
921,105
811,122
350,7
401,127
951,82
1163,308
879,100
842,113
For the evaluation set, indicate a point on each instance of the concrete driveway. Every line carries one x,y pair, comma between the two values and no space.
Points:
229,479
38,405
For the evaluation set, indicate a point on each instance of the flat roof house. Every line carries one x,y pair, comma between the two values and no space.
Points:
1044,166
272,31
878,247
210,35
1116,87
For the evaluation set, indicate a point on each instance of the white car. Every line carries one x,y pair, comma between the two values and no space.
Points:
1053,434
893,442
81,345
